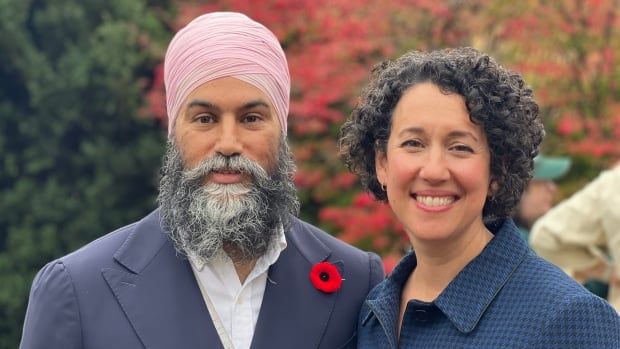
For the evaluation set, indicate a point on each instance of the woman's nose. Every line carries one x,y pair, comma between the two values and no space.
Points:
435,169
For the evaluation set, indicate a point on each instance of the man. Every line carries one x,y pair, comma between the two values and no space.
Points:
539,194
581,235
222,263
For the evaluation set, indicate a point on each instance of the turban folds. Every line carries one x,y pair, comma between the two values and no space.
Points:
225,44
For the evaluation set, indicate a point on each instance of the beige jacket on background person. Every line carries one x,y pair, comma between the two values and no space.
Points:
584,231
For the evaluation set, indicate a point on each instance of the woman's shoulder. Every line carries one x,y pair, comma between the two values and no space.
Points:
548,287
557,311
580,320
546,280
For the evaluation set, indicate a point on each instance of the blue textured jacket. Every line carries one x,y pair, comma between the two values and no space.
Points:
507,297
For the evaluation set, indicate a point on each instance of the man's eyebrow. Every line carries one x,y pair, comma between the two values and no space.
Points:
256,103
206,104
202,103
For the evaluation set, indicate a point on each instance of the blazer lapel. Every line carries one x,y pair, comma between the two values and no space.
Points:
159,294
294,314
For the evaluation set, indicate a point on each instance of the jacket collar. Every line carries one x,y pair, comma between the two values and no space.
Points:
292,308
468,296
142,244
384,301
158,290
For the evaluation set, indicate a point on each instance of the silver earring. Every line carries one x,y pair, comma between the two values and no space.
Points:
383,187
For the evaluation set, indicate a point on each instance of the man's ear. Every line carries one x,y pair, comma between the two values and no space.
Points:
381,167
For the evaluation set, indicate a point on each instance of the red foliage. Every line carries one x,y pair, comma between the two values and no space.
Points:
389,262
308,178
567,49
366,222
574,66
570,124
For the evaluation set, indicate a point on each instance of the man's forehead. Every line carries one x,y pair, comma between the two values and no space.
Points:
228,92
224,44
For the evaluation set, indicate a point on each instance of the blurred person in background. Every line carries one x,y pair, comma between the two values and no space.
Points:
538,198
448,140
582,235
223,262
539,194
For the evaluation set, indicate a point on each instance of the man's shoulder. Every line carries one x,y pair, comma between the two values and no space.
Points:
309,240
363,269
104,245
338,246
100,252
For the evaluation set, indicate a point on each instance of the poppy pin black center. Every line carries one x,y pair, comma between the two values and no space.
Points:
324,276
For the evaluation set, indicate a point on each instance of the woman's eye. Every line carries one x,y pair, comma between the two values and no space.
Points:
462,148
412,143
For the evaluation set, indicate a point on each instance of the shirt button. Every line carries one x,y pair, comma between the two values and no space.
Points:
421,315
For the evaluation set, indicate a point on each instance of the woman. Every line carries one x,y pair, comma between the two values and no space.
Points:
448,139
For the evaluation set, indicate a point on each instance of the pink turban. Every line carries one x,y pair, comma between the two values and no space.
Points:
225,44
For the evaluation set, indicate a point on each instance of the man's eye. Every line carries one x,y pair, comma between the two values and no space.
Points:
205,119
250,118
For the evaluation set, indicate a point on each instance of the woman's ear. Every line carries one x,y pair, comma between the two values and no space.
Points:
381,167
493,188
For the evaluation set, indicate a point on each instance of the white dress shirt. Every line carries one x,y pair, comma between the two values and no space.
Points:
237,305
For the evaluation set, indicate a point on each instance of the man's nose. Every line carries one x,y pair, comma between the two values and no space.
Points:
228,142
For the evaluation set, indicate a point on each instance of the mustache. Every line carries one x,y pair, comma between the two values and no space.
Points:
219,162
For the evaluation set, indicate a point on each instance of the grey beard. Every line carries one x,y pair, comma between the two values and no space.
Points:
203,219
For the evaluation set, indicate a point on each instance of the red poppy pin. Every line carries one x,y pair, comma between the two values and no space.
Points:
325,277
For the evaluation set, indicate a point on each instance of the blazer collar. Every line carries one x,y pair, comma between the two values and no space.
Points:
161,298
142,244
292,308
159,294
468,296
306,243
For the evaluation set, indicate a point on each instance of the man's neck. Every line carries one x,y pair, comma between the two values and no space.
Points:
243,267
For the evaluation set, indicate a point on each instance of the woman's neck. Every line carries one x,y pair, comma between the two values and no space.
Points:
438,263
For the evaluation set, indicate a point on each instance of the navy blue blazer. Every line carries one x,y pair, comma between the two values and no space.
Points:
129,289
507,297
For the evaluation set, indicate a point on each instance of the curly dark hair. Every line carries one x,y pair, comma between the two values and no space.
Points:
496,98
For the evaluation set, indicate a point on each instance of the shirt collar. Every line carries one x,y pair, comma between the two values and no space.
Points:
272,254
468,296
384,302
262,264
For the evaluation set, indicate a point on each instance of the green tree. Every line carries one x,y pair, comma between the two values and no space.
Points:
78,157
